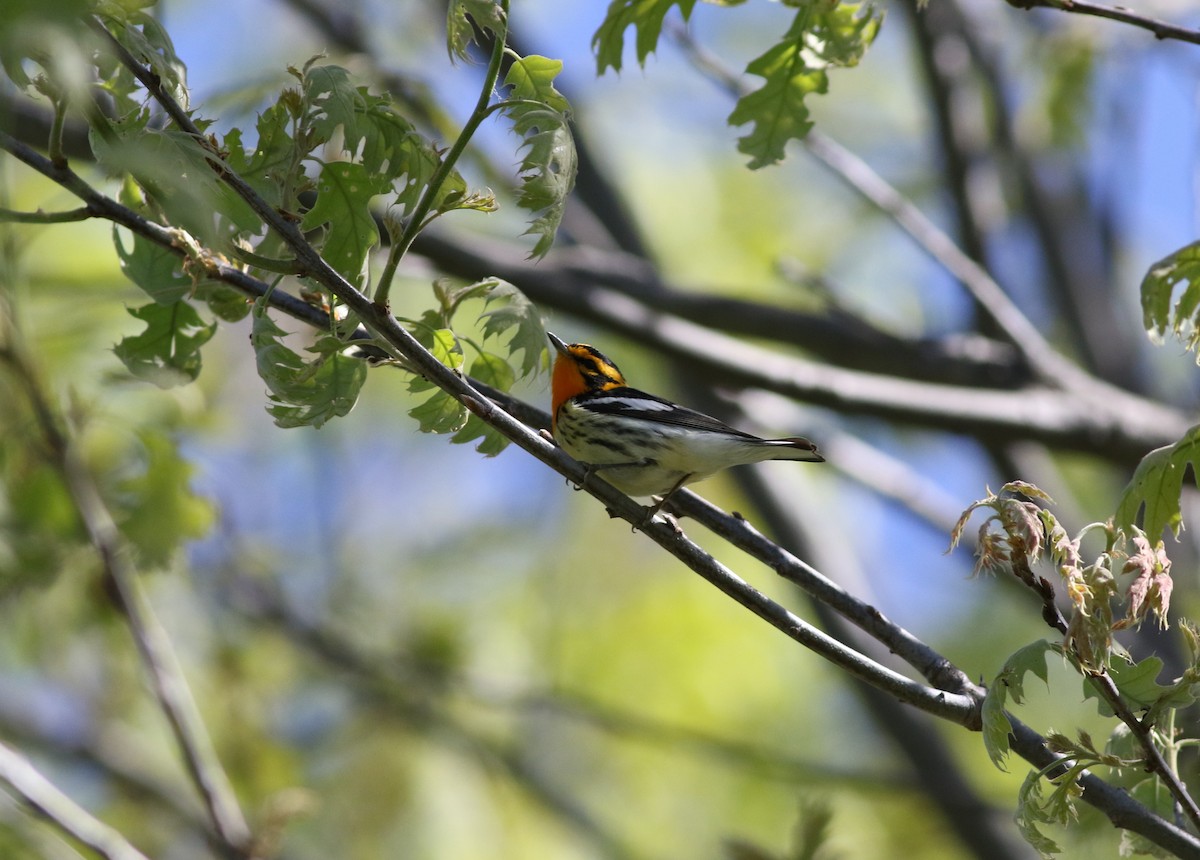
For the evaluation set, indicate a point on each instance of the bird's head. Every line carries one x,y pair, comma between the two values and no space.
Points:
579,368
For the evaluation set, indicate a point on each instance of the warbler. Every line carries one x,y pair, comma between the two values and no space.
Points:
641,444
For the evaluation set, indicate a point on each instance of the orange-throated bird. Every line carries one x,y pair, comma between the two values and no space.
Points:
641,444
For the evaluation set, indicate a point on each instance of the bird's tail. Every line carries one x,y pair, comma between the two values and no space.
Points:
794,448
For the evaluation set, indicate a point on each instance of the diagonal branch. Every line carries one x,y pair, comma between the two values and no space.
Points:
60,810
1161,29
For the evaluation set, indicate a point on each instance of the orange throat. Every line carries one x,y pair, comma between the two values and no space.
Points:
565,382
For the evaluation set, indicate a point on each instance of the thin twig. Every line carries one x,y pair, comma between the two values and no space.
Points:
1161,29
12,216
60,810
1107,688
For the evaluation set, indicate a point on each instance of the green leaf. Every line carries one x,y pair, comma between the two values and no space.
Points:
174,170
274,169
40,526
822,35
144,37
1010,682
514,311
224,301
549,163
35,29
344,194
1181,267
488,16
335,101
1157,486
153,268
1069,64
1136,682
493,370
645,16
1031,658
1151,793
996,725
159,511
440,413
373,134
1030,814
304,393
167,353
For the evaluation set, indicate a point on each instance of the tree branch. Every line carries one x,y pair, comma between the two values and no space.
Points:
1161,29
957,708
60,810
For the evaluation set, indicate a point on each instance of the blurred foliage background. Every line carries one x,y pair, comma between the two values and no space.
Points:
401,649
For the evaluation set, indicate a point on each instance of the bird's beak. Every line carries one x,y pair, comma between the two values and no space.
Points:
557,343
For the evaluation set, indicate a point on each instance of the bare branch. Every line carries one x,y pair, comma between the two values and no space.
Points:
60,810
39,217
1161,29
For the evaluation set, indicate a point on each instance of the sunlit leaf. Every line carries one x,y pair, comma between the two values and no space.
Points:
539,113
463,16
1158,287
645,16
1157,486
511,310
822,35
996,725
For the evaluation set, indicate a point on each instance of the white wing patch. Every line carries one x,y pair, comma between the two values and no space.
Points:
639,403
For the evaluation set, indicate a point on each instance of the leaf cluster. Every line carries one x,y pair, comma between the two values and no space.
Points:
505,311
822,36
1127,581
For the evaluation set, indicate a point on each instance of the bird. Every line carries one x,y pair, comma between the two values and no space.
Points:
642,444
